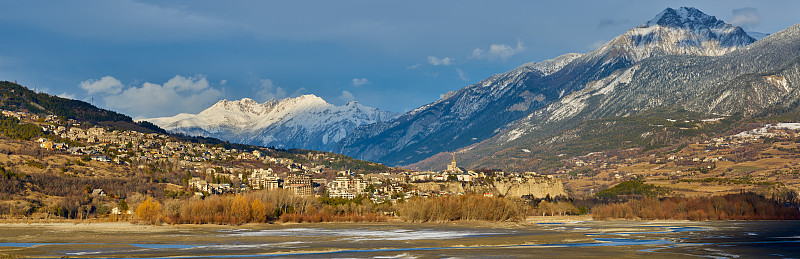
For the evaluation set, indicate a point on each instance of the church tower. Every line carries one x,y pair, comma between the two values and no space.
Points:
452,167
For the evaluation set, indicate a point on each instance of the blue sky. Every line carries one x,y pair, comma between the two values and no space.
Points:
160,58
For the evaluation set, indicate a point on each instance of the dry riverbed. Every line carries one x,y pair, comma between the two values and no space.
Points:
546,236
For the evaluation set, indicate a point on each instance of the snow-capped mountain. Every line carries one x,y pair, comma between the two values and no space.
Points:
682,31
760,79
480,111
306,122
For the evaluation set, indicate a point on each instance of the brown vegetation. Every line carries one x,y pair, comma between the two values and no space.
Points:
546,208
149,211
743,206
232,209
466,207
255,207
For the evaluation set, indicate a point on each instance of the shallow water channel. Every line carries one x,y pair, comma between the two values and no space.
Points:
602,239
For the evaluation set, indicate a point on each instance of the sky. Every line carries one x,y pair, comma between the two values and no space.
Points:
160,58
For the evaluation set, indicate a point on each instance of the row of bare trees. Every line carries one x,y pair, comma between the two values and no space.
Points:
252,207
465,207
742,206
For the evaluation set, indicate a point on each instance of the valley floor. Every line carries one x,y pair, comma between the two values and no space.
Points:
559,236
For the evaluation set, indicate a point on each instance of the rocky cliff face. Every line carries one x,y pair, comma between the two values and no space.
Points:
481,111
537,187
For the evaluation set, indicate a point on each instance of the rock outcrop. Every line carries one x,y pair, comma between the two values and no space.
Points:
536,187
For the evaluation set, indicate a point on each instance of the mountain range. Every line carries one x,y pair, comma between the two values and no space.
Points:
484,110
739,82
307,122
681,62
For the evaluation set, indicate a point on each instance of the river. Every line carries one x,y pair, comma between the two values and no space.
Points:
600,239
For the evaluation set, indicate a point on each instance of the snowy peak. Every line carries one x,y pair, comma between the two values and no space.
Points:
245,105
250,106
682,31
684,17
307,100
480,111
307,121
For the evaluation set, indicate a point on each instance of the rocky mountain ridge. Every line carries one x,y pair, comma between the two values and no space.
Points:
763,75
481,111
307,122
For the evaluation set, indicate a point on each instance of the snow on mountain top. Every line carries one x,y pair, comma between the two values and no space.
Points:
682,31
303,118
550,66
682,17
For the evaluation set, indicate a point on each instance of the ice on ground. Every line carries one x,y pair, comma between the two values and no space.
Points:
369,234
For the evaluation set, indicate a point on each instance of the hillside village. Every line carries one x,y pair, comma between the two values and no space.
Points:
211,169
750,160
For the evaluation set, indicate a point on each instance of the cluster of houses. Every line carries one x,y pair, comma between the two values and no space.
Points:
20,115
305,179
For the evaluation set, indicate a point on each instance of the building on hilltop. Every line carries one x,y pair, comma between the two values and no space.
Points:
452,167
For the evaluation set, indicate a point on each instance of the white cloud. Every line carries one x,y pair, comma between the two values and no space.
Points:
597,44
747,17
446,61
478,54
268,91
498,52
412,67
346,96
447,94
461,75
177,95
223,82
105,85
358,82
68,96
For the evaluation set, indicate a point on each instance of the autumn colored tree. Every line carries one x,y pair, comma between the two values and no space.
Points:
258,211
240,209
149,211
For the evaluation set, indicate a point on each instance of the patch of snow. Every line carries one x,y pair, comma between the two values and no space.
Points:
514,134
550,66
779,81
765,131
367,234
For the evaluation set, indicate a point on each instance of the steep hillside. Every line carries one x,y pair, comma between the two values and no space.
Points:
742,83
480,111
15,97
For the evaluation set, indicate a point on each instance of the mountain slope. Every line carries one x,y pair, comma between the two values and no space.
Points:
307,122
16,97
480,111
763,75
